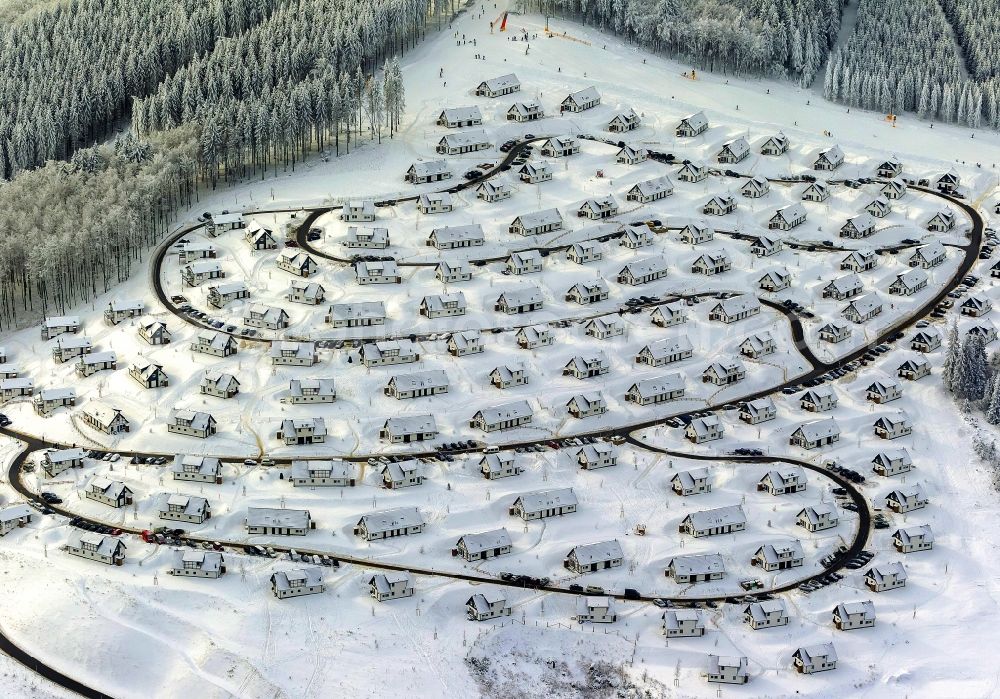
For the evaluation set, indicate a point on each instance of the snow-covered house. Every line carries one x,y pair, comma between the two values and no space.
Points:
465,342
775,280
720,520
668,315
287,353
523,300
435,203
724,372
627,155
693,482
623,121
502,417
775,145
359,210
879,207
712,263
766,245
772,557
154,333
409,428
224,221
402,474
581,100
323,473
787,217
666,351
885,577
69,347
863,308
222,294
733,151
55,461
525,262
696,233
695,568
585,293
889,168
755,187
89,364
812,435
913,369
536,222
758,345
49,399
587,404
528,110
377,272
760,410
829,158
704,429
509,375
907,498
104,418
499,465
719,205
727,669
942,221
817,658
976,305
927,256
693,171
298,263
123,309
586,367
533,173
367,238
691,125
454,271
683,623
214,343
308,293
457,117
308,430
892,462
588,558
197,564
597,455
819,399
16,388
53,326
490,604
544,503
491,192
148,375
109,492
399,521
259,315
192,467
643,271
911,539
443,305
200,272
479,547
766,614
298,582
909,282
884,390
894,188
636,237
650,190
189,252
193,423
893,426
948,183
735,308
816,192
13,517
860,226
818,517
596,610
428,171
926,340
657,390
259,238
788,478
430,382
598,208
463,142
109,550
184,508
835,332
854,615
386,352
496,87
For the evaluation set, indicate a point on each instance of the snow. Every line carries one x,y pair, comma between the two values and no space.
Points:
148,632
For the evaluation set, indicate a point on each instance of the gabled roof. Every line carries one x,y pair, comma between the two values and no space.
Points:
547,499
588,554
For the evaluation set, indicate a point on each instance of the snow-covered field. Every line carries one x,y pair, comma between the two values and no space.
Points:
137,631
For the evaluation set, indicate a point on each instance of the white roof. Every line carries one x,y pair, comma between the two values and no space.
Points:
587,554
862,221
697,564
463,113
456,234
773,553
198,420
200,464
866,304
645,267
738,304
669,346
300,577
98,358
229,288
821,650
272,517
429,168
56,456
73,341
411,424
210,561
719,516
846,283
387,520
61,321
357,311
696,120
929,251
485,541
432,378
587,94
654,186
514,410
502,82
466,138
310,468
522,296
12,512
286,348
819,429
792,212
547,499
316,424
540,218
659,385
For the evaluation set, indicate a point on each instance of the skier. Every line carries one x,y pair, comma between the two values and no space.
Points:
441,72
